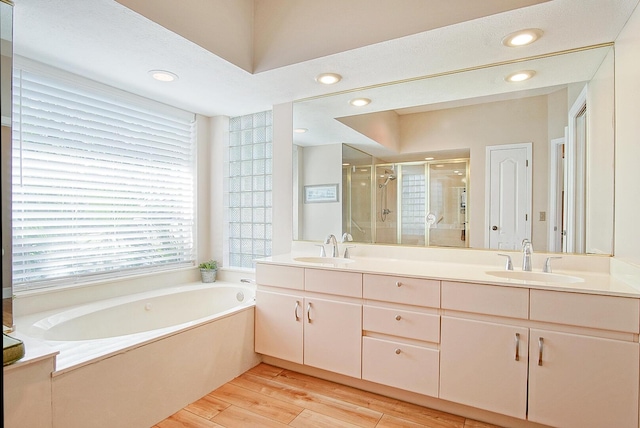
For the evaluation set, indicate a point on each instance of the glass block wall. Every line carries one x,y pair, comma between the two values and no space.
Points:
413,205
249,191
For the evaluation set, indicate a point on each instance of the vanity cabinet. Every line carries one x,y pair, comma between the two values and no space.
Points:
401,332
556,360
587,378
294,322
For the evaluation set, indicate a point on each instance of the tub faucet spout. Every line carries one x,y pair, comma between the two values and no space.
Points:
527,252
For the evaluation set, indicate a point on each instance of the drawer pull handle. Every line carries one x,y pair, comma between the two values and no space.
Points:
295,310
309,312
398,350
398,284
540,346
517,346
398,317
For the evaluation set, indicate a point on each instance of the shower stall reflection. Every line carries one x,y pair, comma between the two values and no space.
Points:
409,203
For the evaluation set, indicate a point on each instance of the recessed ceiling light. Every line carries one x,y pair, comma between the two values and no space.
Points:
522,37
520,76
300,130
439,166
429,158
360,102
163,75
328,78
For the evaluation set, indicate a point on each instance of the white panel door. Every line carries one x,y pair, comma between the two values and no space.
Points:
333,336
279,325
508,195
580,381
484,365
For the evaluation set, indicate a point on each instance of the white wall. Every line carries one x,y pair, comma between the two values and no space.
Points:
321,165
282,178
627,157
600,159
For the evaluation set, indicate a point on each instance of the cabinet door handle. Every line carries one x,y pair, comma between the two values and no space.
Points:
517,346
540,346
295,310
398,284
309,312
398,350
398,317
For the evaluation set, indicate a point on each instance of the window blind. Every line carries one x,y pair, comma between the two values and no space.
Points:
101,185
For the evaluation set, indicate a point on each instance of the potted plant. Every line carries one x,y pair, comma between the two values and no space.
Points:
208,270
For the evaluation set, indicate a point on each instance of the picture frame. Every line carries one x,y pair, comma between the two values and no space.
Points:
321,193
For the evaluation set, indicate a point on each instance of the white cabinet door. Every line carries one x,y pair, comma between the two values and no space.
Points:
279,325
484,365
580,381
333,336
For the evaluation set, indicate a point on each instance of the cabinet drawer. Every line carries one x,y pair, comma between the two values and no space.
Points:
412,291
333,282
413,325
486,299
586,310
400,365
280,276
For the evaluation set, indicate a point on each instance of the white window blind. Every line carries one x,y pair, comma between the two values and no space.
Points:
102,185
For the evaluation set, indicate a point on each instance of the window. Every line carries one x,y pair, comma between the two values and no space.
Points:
103,181
249,214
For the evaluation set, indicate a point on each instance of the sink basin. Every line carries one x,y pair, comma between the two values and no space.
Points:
323,260
535,276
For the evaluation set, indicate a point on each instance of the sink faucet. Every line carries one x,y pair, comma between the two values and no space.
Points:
331,239
527,252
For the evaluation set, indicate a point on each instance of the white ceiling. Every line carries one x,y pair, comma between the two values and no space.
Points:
105,41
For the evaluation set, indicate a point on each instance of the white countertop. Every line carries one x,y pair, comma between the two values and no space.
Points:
594,282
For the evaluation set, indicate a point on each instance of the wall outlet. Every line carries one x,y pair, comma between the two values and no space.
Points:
543,216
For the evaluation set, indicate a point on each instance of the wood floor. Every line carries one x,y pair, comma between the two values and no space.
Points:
268,396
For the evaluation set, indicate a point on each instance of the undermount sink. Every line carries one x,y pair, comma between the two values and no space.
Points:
535,276
323,260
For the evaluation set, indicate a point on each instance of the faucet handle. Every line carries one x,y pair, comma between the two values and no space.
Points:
323,253
547,264
346,237
346,251
508,265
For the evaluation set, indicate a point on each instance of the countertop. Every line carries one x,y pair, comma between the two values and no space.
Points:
593,282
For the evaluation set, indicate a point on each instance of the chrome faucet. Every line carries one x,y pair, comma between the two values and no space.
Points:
331,239
346,237
527,252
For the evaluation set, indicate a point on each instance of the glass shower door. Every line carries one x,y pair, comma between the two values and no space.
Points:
447,212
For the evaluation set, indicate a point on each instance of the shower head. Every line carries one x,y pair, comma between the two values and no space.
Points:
389,178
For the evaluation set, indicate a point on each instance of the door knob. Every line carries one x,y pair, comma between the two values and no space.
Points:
494,228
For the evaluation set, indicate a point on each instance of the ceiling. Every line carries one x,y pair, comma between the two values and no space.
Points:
267,54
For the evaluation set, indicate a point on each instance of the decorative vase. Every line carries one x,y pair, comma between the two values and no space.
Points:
208,275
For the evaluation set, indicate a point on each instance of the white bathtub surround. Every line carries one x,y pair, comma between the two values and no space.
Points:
111,373
145,385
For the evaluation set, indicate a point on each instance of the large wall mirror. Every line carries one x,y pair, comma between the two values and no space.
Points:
542,147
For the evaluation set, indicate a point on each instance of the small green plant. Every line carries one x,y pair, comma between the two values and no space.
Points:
211,265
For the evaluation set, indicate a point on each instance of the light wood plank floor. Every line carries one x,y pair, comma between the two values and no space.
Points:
268,396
